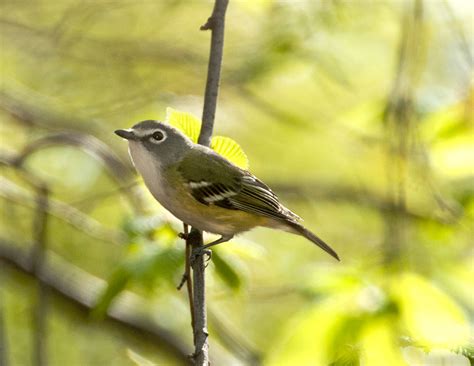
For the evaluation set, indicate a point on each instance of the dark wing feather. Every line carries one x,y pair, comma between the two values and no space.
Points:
220,183
212,180
213,193
256,197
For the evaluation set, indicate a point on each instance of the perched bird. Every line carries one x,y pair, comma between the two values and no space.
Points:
205,190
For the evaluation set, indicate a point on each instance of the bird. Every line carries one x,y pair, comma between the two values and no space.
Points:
204,189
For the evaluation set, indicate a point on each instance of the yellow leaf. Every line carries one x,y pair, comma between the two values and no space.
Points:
379,346
231,150
191,127
185,122
308,338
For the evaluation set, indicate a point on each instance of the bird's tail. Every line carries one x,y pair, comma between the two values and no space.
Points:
301,230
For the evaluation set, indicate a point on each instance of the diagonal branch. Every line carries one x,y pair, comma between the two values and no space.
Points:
69,214
81,288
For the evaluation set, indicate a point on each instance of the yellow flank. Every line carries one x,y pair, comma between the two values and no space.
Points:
217,220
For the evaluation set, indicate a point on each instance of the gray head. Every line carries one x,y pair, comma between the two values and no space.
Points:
164,143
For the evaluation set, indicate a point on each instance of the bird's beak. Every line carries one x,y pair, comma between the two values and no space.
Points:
126,134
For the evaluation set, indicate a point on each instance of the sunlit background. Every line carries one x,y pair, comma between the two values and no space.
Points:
357,113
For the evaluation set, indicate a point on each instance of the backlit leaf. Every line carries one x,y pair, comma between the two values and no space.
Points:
308,338
145,264
185,122
231,150
191,126
379,345
429,314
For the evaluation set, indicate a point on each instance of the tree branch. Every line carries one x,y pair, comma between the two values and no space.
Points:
200,333
40,311
216,24
81,288
399,118
69,214
3,338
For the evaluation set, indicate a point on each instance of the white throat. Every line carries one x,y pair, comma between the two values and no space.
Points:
149,168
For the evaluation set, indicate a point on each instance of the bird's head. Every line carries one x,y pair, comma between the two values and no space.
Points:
155,141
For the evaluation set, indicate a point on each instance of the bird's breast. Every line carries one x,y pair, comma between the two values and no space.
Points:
169,190
149,168
165,185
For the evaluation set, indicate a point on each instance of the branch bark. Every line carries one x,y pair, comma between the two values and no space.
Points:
200,333
215,23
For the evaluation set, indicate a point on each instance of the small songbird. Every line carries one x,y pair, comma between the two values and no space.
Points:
204,189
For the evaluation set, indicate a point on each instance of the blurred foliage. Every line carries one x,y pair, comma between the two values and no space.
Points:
358,114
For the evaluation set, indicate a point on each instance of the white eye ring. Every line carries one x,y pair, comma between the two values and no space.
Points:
158,136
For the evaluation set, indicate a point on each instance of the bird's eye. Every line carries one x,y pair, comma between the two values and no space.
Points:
157,136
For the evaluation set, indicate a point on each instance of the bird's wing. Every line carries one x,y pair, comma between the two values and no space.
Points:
212,180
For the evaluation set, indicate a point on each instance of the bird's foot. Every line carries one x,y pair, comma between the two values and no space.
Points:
199,252
183,236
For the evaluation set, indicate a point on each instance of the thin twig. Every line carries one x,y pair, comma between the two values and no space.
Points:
187,273
457,29
37,259
215,23
19,195
3,338
119,171
398,120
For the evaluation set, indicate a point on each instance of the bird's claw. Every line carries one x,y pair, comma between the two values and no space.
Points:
198,252
184,278
183,236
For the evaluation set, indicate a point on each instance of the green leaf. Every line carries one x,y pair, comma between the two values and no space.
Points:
231,150
146,264
379,345
191,127
116,284
447,123
430,315
226,271
307,339
185,122
342,349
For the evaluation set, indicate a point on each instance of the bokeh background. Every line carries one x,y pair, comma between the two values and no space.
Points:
357,113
